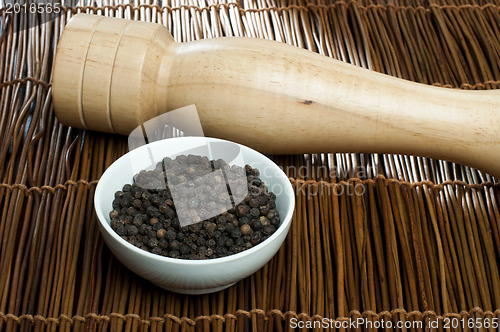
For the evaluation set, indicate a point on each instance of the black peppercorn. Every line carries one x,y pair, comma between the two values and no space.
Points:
175,222
211,243
245,229
132,230
256,224
200,241
264,210
194,228
243,221
125,202
160,234
188,241
163,208
114,214
241,210
136,192
143,229
253,203
152,211
254,190
170,235
155,199
221,241
254,212
137,203
256,237
162,243
269,229
145,206
236,233
193,237
256,182
221,228
114,223
174,245
157,226
263,199
153,243
146,196
152,234
184,249
229,228
221,251
221,220
229,242
137,221
264,221
121,230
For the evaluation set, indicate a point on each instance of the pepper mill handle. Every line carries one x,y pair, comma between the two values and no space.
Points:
112,74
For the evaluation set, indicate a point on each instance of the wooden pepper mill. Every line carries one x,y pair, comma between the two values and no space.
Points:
112,74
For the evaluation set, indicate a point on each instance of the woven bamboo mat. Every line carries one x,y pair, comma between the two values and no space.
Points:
419,240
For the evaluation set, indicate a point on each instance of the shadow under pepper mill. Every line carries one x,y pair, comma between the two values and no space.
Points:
113,74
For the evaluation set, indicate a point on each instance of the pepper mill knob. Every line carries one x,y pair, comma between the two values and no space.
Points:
106,72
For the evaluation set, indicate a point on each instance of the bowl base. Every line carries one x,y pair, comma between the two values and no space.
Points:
197,291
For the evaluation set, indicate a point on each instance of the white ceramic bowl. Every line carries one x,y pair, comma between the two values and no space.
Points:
192,276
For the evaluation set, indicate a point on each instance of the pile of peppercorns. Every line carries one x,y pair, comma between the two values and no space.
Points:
144,213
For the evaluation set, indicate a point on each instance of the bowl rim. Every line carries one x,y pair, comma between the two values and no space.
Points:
283,227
